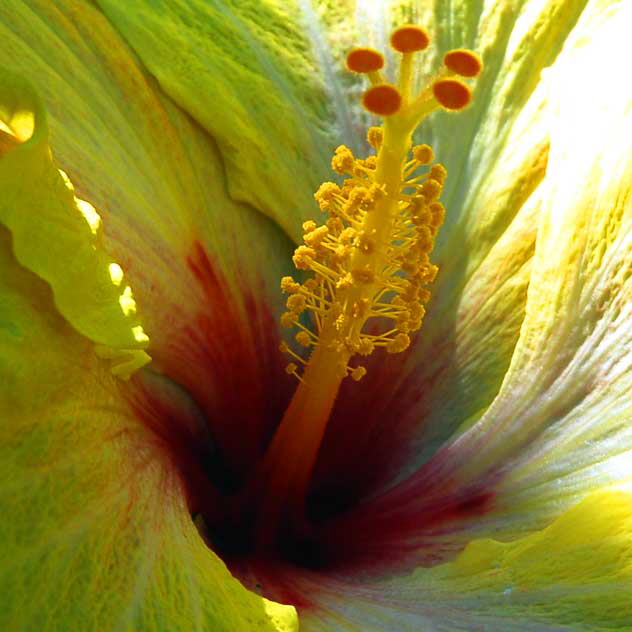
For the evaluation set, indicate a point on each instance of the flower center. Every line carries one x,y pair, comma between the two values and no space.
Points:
368,266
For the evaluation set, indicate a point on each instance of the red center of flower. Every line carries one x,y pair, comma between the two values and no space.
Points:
272,491
352,521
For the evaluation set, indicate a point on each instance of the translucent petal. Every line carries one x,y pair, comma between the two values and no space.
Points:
57,236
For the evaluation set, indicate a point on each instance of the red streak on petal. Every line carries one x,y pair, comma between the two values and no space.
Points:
226,359
232,366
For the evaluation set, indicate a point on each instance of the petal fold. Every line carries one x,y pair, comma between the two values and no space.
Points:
57,235
244,71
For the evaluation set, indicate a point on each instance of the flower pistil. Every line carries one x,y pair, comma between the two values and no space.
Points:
368,264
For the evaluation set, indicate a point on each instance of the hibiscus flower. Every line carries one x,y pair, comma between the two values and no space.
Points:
478,479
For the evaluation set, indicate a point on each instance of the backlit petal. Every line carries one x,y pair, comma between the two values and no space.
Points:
57,236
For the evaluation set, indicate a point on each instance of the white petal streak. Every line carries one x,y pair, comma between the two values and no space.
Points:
563,408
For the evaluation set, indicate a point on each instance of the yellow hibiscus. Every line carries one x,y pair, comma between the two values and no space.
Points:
477,481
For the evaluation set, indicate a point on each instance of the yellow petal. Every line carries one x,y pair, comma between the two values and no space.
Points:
57,235
96,533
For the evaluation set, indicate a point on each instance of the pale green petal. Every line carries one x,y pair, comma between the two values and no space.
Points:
560,419
57,235
559,426
95,533
244,70
496,155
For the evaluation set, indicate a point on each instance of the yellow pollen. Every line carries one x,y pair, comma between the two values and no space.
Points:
374,137
289,285
303,338
343,161
358,373
291,368
423,154
367,267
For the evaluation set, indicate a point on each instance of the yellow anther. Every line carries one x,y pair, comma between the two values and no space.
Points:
303,256
409,39
296,303
438,214
430,190
309,226
357,197
417,311
439,173
398,344
364,60
347,235
424,241
423,154
341,254
358,373
375,193
452,94
316,236
345,282
289,285
326,194
291,368
383,99
368,163
423,295
303,338
363,275
423,216
374,136
343,160
463,62
288,319
366,347
428,274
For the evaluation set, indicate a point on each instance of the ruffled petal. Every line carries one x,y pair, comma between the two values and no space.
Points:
57,235
204,269
96,534
245,72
